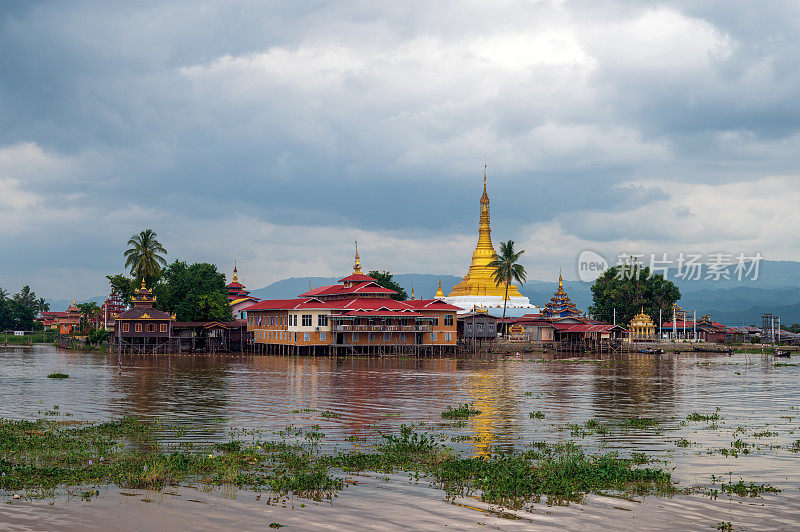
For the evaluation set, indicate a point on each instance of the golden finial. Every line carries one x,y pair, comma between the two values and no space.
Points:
412,289
143,286
484,196
235,272
439,292
357,265
560,281
309,285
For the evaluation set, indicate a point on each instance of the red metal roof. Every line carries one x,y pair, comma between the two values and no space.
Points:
290,304
358,278
337,289
430,304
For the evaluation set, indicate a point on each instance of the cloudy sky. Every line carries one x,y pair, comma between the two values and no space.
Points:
276,132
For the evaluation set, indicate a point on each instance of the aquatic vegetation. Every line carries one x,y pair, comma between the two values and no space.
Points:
331,415
724,525
702,417
785,364
57,375
536,415
750,489
683,442
460,412
640,422
44,455
764,434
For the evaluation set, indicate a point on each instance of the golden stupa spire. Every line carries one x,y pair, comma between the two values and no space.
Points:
357,264
560,281
143,286
235,272
412,289
439,292
479,281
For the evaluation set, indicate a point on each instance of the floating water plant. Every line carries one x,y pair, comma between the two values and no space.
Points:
702,417
460,412
536,415
58,376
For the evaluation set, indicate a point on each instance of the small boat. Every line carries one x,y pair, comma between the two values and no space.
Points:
651,351
782,354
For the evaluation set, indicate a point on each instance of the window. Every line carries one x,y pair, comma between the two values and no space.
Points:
403,337
163,327
306,320
447,337
448,320
322,320
294,320
138,327
126,327
295,334
433,337
307,336
354,337
371,337
322,337
436,321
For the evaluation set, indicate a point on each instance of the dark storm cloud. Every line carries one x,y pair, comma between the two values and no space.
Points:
377,116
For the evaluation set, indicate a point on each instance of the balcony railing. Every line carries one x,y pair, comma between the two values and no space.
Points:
381,328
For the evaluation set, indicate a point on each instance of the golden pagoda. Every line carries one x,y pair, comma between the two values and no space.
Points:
439,293
478,287
641,328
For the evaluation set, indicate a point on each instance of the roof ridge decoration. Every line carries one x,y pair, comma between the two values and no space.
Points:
357,264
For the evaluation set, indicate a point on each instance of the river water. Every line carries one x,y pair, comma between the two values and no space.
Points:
352,398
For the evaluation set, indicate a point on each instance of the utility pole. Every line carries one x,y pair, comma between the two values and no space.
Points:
660,332
694,325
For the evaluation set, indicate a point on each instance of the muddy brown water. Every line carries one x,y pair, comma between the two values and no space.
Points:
214,398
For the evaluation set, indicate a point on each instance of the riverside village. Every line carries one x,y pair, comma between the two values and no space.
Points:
345,266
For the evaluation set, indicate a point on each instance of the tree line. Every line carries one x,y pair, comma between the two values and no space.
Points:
18,312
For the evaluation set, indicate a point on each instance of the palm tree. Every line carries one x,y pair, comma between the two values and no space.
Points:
88,312
507,269
143,256
3,293
42,305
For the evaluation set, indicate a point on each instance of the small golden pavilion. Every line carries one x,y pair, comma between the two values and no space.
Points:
641,328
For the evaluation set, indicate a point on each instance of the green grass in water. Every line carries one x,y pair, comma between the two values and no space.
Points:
460,412
58,376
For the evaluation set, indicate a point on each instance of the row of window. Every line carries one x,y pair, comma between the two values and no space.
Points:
387,337
148,327
255,320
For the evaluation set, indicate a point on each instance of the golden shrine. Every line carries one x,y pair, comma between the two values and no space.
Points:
478,287
641,328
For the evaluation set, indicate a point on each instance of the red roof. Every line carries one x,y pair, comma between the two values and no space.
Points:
234,284
358,278
431,304
290,304
336,289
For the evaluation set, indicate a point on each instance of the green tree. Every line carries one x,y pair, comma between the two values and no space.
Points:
145,256
629,290
43,306
507,269
385,280
88,311
193,292
123,286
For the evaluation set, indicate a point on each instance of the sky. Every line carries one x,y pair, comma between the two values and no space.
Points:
276,133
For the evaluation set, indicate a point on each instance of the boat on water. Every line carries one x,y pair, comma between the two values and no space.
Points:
651,351
782,354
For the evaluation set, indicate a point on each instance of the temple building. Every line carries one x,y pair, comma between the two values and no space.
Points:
478,288
560,305
239,298
109,310
641,328
143,329
357,315
69,322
